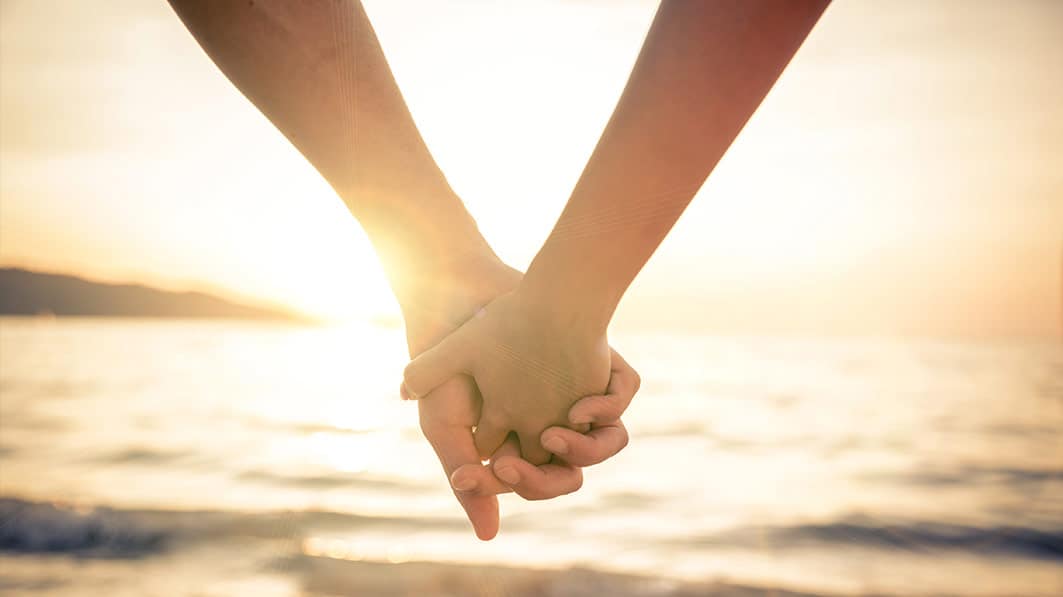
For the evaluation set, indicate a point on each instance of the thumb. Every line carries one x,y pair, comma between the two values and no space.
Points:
451,357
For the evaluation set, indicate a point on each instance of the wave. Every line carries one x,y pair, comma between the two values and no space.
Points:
139,455
974,475
331,480
914,536
102,532
29,527
43,527
330,576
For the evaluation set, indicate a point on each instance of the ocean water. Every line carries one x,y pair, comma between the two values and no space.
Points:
223,458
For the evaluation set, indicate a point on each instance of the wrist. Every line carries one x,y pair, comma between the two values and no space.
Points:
568,292
425,245
566,307
412,257
438,301
431,268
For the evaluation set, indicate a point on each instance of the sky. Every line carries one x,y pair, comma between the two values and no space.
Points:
903,177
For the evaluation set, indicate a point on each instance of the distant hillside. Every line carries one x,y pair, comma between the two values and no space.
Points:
24,292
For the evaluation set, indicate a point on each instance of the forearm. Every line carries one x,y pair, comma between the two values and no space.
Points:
703,70
318,73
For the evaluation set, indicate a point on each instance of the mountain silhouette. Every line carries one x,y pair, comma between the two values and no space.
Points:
24,292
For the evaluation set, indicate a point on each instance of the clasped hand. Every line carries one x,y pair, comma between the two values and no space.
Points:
515,386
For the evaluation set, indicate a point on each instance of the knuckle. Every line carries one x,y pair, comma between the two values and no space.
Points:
594,457
608,409
408,371
576,485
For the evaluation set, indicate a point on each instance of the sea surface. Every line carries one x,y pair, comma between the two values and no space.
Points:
218,458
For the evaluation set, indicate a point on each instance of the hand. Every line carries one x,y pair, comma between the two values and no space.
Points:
529,367
442,299
571,449
447,417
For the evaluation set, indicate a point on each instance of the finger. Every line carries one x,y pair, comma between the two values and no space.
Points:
477,479
454,447
533,482
624,373
596,409
489,435
537,482
482,512
436,365
624,382
531,448
599,444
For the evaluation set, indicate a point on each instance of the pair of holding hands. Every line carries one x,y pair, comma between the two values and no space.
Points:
508,369
510,384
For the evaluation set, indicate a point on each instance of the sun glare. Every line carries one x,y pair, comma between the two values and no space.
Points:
182,184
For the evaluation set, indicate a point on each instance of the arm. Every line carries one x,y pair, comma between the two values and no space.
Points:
317,72
703,70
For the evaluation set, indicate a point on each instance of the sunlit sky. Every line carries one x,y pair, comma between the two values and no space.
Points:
904,176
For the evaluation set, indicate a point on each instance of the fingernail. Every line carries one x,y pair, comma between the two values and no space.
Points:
556,445
464,484
580,419
508,475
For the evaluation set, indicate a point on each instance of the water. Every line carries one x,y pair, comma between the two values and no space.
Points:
221,458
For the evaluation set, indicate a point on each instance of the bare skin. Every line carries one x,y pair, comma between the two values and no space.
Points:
528,371
703,70
318,73
449,425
